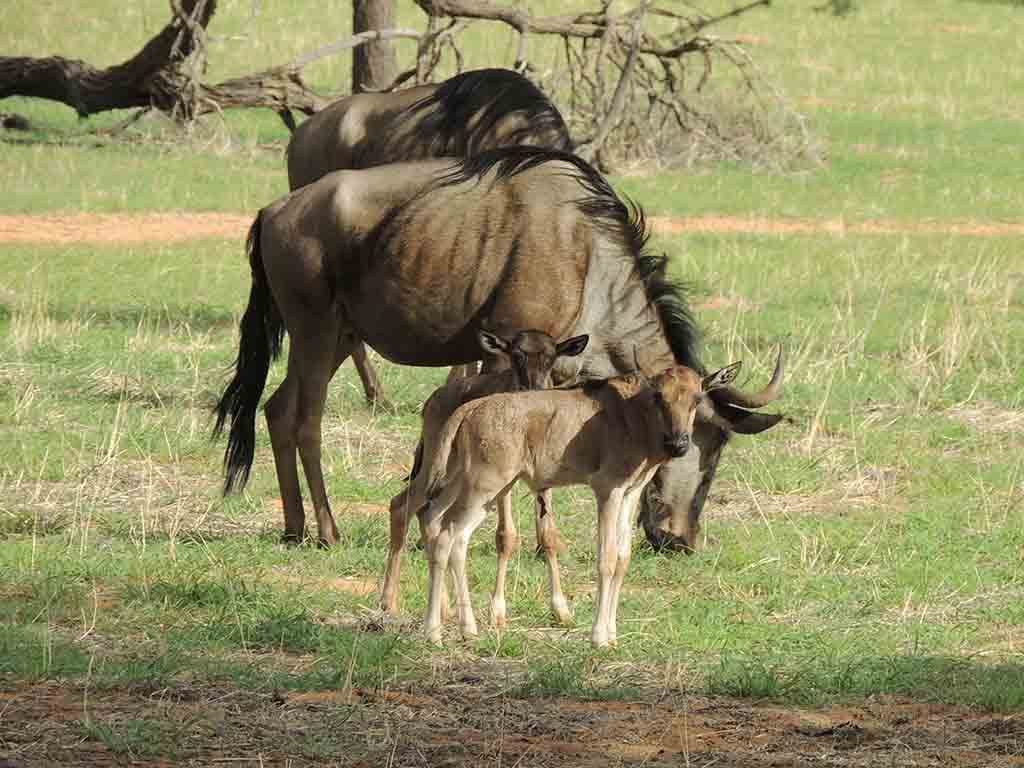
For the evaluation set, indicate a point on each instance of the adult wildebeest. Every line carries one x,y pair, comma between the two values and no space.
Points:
462,116
610,435
413,258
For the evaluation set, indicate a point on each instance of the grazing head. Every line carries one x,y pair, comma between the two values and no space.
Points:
671,505
678,394
530,354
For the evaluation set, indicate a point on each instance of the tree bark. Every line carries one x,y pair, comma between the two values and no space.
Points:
373,65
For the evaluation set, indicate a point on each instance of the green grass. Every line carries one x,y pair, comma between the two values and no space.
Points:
871,547
875,535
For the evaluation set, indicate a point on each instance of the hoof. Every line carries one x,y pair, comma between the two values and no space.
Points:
328,539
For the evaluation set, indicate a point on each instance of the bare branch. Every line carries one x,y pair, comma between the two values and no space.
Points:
619,97
573,25
370,36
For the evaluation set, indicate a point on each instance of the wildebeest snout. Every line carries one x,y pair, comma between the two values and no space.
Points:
677,445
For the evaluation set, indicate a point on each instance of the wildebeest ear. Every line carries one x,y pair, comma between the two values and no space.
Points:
572,347
744,422
491,343
722,376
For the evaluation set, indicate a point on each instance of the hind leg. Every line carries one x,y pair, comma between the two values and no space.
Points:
438,538
367,374
312,399
505,541
280,411
549,543
462,519
295,421
400,510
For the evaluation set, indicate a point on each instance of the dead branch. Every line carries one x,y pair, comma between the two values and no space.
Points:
576,25
645,50
167,74
618,101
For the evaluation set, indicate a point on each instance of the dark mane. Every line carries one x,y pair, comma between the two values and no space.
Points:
461,115
622,219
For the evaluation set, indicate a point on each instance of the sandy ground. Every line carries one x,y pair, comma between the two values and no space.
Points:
140,227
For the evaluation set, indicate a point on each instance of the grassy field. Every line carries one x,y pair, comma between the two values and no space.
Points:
870,552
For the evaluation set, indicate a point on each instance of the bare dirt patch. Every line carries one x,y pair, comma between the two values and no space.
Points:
472,725
758,225
170,227
121,228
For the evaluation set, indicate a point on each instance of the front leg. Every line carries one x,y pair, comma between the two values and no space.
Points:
624,536
609,506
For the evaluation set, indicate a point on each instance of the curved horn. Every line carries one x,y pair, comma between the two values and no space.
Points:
733,396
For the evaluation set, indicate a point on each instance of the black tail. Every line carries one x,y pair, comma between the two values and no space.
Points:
262,335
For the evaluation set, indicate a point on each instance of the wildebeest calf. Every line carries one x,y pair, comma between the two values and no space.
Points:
611,435
522,361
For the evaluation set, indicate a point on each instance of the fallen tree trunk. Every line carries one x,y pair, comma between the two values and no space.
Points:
152,77
163,76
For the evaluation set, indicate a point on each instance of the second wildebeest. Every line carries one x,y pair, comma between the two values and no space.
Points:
463,116
414,259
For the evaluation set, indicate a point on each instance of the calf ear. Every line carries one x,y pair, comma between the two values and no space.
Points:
492,344
722,377
572,347
744,422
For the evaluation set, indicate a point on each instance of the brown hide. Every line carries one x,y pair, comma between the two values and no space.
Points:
415,274
414,258
467,114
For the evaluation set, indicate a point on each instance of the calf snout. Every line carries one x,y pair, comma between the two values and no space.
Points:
677,445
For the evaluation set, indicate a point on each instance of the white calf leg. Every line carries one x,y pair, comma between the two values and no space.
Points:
608,506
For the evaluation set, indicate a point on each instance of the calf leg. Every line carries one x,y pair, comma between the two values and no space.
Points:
550,544
463,519
445,608
438,551
624,550
609,505
399,511
505,542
